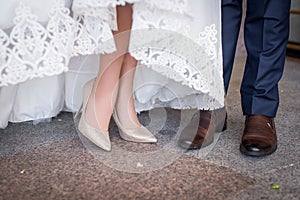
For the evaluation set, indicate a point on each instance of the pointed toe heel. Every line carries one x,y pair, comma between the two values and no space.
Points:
98,137
140,134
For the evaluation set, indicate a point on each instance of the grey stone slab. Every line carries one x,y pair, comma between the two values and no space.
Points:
286,177
265,191
19,137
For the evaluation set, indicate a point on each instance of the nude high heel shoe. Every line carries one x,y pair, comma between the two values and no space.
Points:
98,137
140,134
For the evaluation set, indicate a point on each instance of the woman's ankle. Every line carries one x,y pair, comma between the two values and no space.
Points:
127,117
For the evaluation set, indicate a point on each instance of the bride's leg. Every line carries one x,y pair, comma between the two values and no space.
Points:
125,104
126,119
99,109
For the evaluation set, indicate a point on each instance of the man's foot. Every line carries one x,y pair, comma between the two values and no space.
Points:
259,138
200,131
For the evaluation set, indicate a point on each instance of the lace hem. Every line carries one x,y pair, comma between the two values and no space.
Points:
169,53
196,101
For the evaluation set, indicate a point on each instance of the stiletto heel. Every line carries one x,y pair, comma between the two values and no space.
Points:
77,113
98,137
140,134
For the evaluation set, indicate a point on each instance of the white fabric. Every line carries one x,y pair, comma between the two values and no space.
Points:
187,75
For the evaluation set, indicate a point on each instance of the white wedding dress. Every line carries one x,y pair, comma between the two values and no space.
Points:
49,49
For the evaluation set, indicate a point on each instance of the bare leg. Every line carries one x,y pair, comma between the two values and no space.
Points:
125,104
101,104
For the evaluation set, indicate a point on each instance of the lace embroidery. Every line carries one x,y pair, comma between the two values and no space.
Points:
5,52
167,50
169,53
176,6
36,51
94,36
32,50
96,4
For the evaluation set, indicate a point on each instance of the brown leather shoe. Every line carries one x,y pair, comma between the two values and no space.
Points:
200,131
259,138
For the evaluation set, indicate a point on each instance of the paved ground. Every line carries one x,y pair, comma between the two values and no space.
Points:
52,161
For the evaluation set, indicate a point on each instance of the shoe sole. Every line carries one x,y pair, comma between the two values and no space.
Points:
195,147
244,151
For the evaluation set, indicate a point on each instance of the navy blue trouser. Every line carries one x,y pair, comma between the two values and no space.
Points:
266,34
